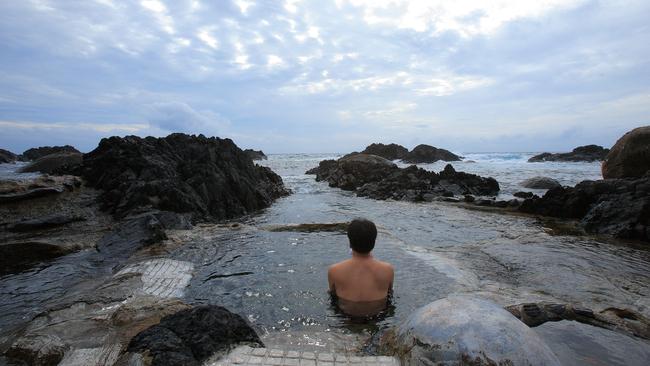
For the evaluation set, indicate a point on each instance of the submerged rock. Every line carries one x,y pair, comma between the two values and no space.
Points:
7,156
617,207
540,183
581,153
429,154
58,163
38,152
390,151
466,330
255,154
378,178
210,178
191,336
630,156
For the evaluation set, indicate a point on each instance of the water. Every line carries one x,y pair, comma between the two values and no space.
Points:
277,279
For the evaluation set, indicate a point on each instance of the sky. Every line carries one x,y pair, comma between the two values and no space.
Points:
326,76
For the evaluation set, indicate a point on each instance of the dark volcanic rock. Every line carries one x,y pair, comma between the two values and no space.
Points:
191,336
255,154
7,156
38,152
57,163
429,154
582,153
16,191
540,183
378,178
390,151
17,256
43,222
617,207
630,156
207,177
524,194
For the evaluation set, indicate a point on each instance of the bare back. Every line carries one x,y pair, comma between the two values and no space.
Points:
361,279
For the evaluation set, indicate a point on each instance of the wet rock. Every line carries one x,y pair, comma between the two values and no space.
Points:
524,195
469,199
20,255
38,152
514,203
630,156
191,336
132,234
41,350
210,178
540,183
429,154
390,151
502,204
255,154
484,202
378,178
617,207
7,156
59,163
470,331
310,228
45,222
16,191
581,153
29,194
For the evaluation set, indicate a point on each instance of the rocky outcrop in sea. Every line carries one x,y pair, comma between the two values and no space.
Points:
255,154
378,178
39,152
630,156
7,156
581,153
421,154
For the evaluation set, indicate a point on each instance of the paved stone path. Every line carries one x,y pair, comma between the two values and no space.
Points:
162,277
245,355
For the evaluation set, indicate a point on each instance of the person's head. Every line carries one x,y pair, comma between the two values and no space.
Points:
362,234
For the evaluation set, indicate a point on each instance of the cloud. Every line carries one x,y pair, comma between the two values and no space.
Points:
180,117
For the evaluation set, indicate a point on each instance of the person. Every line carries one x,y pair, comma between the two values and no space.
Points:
361,285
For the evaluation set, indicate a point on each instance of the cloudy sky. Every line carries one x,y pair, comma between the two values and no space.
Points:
319,76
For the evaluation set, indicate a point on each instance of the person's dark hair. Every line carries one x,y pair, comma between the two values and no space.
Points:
362,234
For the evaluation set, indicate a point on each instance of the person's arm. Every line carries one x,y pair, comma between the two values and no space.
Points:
330,280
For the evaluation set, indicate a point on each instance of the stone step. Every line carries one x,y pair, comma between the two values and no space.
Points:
245,355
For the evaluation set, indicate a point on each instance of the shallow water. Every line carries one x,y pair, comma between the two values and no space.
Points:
277,279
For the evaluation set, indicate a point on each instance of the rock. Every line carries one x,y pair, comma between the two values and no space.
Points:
7,156
38,152
514,203
191,336
630,156
45,222
58,163
617,207
466,330
582,153
390,151
524,194
41,350
209,178
540,183
378,178
16,191
429,154
19,255
255,154
469,198
484,202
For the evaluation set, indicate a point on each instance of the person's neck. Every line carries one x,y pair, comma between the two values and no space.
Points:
357,255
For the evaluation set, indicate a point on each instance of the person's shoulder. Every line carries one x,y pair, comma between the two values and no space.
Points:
336,266
385,265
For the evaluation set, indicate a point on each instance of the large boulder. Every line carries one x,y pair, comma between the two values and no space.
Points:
211,178
582,153
630,156
540,183
191,336
390,151
378,178
468,331
7,156
57,163
429,154
38,152
255,154
617,207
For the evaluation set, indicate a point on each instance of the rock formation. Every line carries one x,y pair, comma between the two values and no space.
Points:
57,163
38,152
208,177
429,154
581,153
390,151
255,154
468,331
630,156
540,183
378,178
7,156
191,336
618,207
